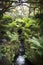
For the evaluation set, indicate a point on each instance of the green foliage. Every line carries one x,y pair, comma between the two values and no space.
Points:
37,44
32,33
37,47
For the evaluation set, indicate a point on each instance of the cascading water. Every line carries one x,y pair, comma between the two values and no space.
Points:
19,59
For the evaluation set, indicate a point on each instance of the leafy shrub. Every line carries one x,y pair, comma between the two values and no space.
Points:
31,33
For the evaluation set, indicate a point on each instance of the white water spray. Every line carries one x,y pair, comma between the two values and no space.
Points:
20,60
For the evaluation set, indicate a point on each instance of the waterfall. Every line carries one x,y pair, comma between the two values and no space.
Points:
19,59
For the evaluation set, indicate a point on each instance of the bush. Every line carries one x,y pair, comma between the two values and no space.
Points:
31,32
